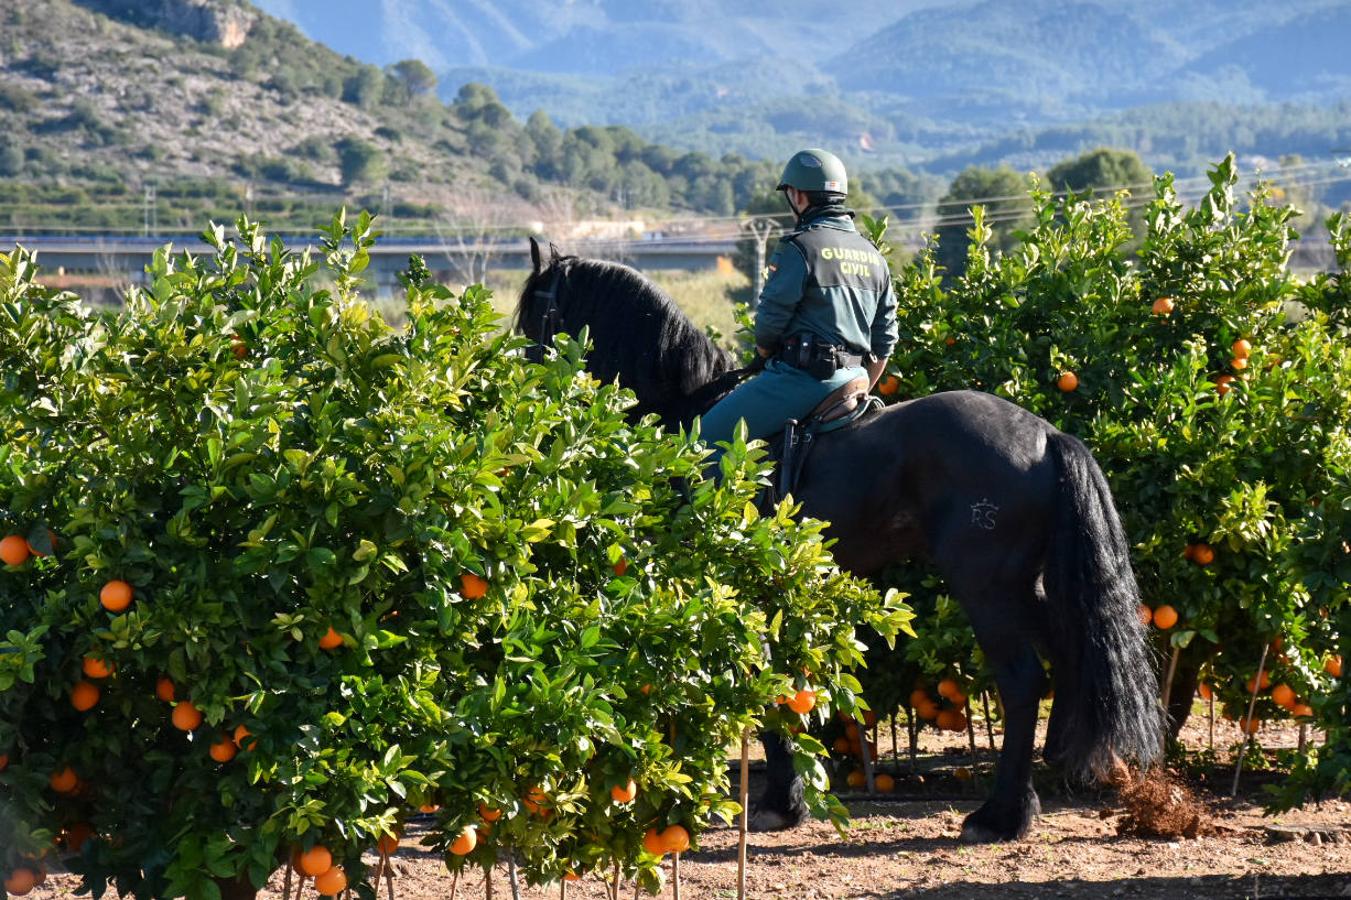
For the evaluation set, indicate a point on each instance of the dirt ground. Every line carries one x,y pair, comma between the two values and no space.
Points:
905,846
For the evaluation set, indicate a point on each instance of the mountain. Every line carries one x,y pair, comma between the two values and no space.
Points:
163,113
914,82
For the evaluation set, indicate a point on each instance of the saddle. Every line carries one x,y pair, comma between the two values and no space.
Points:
843,407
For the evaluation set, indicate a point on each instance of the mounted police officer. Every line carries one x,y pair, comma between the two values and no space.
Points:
827,314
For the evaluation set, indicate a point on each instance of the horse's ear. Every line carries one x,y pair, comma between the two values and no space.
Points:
534,255
554,255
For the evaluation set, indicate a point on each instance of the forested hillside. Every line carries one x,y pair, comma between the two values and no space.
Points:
217,108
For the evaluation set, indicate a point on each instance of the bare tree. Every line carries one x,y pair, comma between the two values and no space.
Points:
471,232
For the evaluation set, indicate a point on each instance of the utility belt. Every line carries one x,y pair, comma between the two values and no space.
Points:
817,358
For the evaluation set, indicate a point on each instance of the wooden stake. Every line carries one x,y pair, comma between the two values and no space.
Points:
1168,696
511,877
675,878
914,739
971,741
454,883
1247,720
488,883
1303,736
895,753
563,889
1211,714
989,722
286,888
389,880
614,883
865,754
744,789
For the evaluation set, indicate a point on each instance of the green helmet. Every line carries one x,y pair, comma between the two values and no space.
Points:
817,171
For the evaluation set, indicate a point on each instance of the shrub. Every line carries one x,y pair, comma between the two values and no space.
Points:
414,567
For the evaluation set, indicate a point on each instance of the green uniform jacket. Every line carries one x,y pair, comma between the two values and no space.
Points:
828,280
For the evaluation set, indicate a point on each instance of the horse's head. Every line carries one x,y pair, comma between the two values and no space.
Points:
541,310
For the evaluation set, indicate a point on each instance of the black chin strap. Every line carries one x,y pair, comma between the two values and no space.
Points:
551,319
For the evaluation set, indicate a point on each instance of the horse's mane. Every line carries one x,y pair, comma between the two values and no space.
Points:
638,335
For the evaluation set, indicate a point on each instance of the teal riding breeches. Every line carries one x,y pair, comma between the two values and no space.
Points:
768,400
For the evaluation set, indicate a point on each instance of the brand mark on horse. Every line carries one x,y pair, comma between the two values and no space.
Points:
983,513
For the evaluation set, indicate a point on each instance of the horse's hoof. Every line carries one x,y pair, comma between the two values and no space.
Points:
989,824
764,819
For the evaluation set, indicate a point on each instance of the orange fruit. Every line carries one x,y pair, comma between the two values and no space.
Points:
1165,617
1241,348
1163,306
488,814
653,843
242,732
1253,725
884,783
952,720
1302,711
950,341
1203,555
429,808
802,702
1253,686
164,689
95,667
918,698
64,781
316,860
1067,382
1238,363
14,552
465,842
624,793
238,347
570,875
331,881
21,881
1283,695
4,761
536,801
1222,384
1204,690
388,845
331,640
621,567
889,385
223,750
1146,615
75,835
84,696
949,688
115,595
841,744
928,712
676,839
472,586
1333,666
187,717
856,779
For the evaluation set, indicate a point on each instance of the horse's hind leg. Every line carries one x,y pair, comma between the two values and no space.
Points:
782,804
1002,620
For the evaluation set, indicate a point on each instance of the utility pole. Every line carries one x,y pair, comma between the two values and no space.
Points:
760,228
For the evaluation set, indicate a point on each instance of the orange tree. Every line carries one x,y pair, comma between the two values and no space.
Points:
1213,387
289,575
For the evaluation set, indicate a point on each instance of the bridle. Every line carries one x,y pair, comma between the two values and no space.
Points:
551,320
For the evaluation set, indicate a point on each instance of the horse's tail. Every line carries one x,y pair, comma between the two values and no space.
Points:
1113,710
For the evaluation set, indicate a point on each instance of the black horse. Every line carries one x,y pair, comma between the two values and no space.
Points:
1015,515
